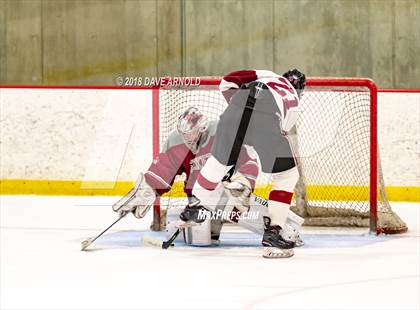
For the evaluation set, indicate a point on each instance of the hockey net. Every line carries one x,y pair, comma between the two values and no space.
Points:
335,143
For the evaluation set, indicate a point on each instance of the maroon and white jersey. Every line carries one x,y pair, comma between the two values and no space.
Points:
284,93
176,158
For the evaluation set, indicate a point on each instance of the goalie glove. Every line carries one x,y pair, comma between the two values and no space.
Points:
138,200
238,187
140,211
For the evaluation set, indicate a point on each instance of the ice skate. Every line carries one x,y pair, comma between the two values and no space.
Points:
274,244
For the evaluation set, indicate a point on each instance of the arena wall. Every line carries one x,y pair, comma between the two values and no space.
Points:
96,141
93,42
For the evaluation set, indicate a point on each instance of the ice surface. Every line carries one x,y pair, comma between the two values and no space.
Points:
42,266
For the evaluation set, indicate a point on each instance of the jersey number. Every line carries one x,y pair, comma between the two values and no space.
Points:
280,89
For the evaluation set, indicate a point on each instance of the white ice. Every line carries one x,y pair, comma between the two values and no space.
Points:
42,266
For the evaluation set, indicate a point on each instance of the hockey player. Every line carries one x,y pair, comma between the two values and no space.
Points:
262,109
186,151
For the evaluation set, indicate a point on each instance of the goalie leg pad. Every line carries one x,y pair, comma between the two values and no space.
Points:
253,219
291,228
199,235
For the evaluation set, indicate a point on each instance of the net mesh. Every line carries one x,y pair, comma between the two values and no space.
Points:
173,101
332,143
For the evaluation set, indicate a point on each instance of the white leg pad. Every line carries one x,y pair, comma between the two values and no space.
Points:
253,219
199,235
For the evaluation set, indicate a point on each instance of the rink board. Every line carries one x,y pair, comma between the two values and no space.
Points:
95,140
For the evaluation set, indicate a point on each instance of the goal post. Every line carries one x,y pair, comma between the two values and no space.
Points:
335,142
352,84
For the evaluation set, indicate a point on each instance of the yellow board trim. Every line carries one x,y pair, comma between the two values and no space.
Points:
64,187
119,188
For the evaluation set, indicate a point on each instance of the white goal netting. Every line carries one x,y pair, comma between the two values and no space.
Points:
332,141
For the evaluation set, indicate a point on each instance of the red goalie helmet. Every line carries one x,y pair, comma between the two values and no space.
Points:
191,126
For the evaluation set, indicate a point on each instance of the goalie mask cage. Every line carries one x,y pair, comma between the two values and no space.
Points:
334,140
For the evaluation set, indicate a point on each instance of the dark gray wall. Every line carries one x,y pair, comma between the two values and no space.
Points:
93,42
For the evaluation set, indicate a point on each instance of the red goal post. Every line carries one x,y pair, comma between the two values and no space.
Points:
373,172
353,98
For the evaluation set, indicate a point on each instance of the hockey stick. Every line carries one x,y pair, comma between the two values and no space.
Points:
154,241
116,207
149,240
160,243
89,241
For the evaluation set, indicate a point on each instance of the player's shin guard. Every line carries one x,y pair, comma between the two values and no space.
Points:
281,195
207,188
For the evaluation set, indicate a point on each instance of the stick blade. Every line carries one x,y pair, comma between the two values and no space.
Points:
86,243
148,240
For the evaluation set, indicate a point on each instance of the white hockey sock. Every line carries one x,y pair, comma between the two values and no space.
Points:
281,195
278,212
207,187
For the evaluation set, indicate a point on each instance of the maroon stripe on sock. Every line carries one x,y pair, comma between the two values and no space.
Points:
206,183
281,196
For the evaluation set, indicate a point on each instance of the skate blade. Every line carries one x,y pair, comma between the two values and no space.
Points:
272,252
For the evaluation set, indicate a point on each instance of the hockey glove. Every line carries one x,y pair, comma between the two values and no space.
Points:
239,188
138,200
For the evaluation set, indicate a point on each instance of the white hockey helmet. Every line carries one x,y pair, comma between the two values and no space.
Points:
191,126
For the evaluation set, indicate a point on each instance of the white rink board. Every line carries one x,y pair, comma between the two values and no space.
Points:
75,134
399,137
84,134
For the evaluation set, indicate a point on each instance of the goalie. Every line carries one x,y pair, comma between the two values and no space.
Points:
186,151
